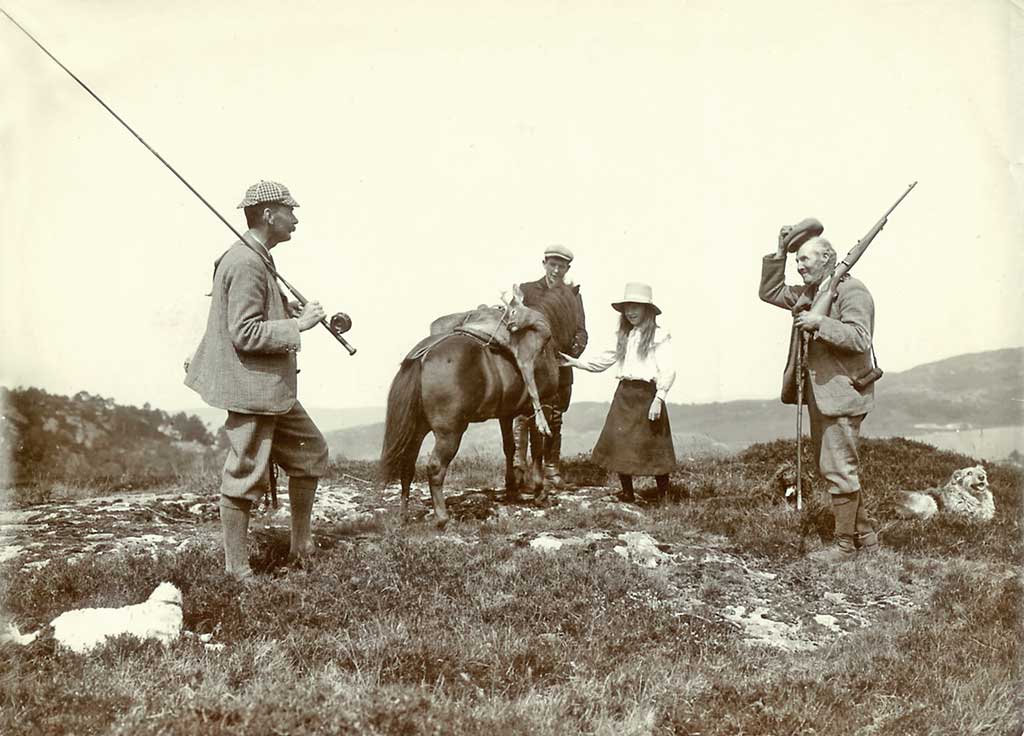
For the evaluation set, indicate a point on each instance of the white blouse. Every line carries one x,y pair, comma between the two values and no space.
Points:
657,366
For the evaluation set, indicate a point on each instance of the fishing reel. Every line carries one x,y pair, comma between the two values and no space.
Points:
340,323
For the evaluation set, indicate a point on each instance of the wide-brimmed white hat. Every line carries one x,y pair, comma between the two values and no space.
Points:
636,293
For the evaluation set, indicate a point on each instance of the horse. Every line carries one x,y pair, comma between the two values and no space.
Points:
456,378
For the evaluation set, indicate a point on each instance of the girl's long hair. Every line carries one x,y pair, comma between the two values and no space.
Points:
646,327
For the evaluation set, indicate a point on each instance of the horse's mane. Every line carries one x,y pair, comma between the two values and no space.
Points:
559,306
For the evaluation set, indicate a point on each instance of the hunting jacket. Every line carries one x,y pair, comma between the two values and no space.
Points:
533,292
839,351
246,360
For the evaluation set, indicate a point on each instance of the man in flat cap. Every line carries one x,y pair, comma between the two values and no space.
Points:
557,262
246,364
839,352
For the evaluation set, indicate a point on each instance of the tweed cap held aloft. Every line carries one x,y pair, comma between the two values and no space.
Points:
267,191
636,293
801,232
558,251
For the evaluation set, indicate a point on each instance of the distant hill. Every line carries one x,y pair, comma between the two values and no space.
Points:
967,391
977,390
327,419
86,439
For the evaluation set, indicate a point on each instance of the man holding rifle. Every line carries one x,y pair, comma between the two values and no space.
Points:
246,365
838,357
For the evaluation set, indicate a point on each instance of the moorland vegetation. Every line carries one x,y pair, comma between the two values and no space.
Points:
400,629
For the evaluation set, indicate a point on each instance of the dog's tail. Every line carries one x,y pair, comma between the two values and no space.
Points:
916,505
12,635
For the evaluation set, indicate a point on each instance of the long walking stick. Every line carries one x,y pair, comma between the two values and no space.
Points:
295,292
801,350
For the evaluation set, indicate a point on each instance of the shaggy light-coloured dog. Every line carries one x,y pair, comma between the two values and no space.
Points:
966,494
84,629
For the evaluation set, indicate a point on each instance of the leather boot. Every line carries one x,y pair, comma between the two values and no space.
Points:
521,434
301,492
234,523
867,538
844,508
553,450
526,436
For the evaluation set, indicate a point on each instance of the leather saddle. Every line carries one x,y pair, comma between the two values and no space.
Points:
487,324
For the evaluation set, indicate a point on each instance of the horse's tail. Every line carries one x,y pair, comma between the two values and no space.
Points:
404,414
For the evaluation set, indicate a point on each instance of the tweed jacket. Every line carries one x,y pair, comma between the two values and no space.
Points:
246,359
533,292
840,349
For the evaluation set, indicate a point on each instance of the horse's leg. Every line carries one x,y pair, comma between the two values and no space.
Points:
406,485
508,444
540,452
408,471
521,438
446,444
539,443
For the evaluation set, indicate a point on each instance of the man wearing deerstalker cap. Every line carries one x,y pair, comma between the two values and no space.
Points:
557,262
246,364
839,353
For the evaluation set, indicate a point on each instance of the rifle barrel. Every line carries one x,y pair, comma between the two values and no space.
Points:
899,200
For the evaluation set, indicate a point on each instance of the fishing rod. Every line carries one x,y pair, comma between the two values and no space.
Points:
295,292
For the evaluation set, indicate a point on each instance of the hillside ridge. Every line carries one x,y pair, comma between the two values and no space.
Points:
969,391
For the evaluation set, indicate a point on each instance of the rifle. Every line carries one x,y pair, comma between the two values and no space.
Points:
823,299
820,306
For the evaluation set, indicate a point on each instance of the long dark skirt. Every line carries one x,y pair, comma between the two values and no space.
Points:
630,443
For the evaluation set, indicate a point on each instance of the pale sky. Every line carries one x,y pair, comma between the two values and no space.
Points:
436,148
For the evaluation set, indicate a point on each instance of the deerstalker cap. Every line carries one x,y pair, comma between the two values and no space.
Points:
802,232
558,251
636,293
267,191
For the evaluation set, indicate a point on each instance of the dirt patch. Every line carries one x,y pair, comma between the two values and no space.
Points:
769,604
70,530
165,521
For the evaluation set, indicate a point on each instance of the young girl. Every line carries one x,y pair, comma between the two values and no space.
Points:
636,439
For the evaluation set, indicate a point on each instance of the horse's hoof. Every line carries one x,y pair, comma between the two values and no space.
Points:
441,523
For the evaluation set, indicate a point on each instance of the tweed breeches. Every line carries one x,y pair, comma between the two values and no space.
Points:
834,442
291,440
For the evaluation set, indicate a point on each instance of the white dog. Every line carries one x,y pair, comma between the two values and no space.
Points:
966,494
83,629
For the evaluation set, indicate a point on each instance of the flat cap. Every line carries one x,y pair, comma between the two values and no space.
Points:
267,191
801,232
558,251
